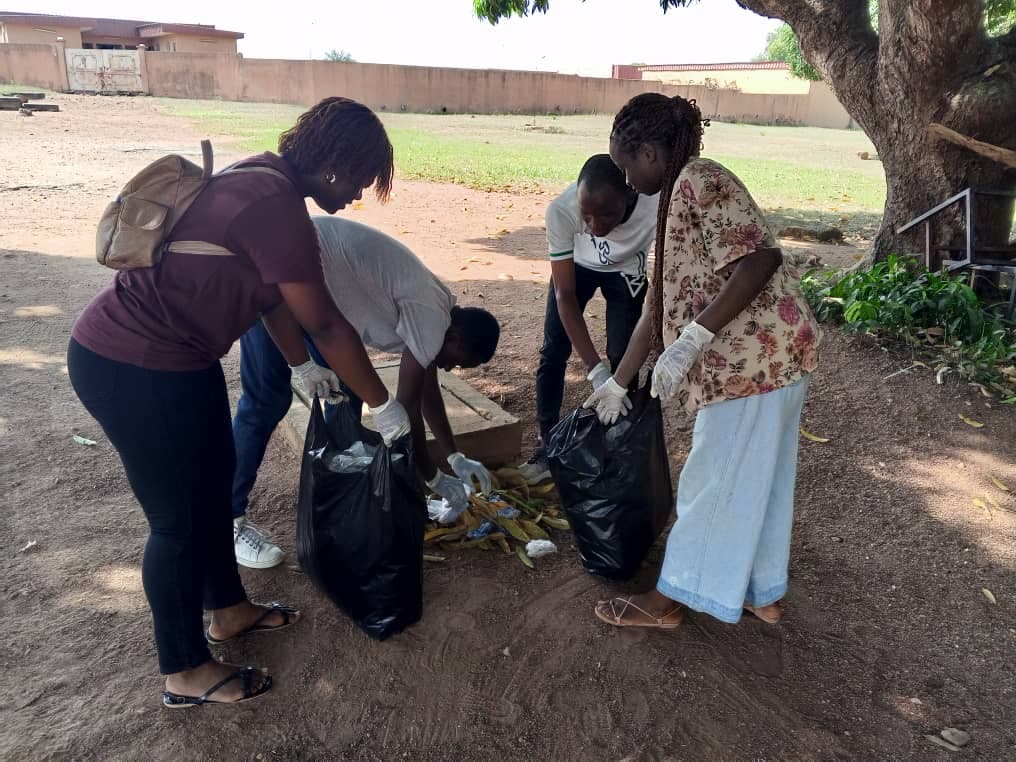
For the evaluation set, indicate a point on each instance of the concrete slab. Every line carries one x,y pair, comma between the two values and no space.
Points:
482,429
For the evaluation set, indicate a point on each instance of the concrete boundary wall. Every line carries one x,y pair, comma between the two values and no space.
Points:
39,65
386,87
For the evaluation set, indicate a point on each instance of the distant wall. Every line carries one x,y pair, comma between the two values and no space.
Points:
386,87
188,43
767,81
383,86
824,109
36,65
43,33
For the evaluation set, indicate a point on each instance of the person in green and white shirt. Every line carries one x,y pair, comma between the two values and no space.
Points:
599,233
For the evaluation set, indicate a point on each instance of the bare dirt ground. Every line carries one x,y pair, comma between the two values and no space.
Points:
888,634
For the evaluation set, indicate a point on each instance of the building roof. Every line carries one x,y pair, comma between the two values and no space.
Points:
741,66
102,27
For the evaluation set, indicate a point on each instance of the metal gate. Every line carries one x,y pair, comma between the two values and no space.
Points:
104,71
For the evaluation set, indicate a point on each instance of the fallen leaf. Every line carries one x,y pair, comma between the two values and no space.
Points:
971,422
436,559
940,375
464,267
357,205
83,441
812,437
505,276
990,596
993,502
935,330
31,544
981,504
1000,484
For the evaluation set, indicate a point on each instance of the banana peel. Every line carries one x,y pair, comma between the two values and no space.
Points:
435,534
524,557
512,527
533,529
543,489
556,523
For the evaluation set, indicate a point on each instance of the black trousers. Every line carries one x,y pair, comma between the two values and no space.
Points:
623,312
172,432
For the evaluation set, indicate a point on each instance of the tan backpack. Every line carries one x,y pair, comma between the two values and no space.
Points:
133,230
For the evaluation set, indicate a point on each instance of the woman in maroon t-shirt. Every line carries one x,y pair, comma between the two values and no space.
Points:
144,360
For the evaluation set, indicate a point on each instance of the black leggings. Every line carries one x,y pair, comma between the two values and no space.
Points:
172,431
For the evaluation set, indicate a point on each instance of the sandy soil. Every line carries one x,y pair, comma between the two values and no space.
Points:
888,635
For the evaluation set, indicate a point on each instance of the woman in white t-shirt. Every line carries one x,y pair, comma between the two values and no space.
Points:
599,232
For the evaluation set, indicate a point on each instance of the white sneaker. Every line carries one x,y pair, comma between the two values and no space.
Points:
536,470
253,548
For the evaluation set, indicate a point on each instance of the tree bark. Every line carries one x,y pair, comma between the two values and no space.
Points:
930,62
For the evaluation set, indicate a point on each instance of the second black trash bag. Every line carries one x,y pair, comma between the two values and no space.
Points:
614,483
360,522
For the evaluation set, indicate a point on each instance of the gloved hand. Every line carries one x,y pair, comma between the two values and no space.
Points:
451,489
598,376
677,359
467,470
610,400
317,380
391,419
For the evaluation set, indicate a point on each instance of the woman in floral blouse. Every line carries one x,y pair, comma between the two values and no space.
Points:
741,344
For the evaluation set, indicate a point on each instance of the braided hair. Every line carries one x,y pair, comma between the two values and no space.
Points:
341,135
677,125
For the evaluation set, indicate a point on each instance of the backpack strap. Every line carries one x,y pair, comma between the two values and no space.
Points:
198,247
210,249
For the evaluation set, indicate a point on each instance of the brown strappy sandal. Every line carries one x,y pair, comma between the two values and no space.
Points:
757,612
607,612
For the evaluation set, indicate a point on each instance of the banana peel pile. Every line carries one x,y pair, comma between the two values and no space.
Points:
506,519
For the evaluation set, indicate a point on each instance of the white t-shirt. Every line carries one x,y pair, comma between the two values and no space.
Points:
624,250
382,288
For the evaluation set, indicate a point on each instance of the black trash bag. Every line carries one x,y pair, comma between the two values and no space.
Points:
360,522
614,483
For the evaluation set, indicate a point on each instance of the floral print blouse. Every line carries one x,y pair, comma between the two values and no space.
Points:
712,223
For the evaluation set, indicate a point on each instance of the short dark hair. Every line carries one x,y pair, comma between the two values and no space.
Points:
480,331
343,136
600,171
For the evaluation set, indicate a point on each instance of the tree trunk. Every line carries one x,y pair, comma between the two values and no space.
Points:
929,62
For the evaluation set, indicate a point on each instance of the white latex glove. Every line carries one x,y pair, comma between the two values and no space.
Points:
598,376
451,489
610,400
677,359
467,470
317,380
391,419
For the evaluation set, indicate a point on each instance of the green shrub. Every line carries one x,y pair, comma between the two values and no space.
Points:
937,314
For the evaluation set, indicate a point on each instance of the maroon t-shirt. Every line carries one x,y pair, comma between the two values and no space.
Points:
186,312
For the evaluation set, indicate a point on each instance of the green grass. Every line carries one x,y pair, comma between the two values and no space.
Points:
800,175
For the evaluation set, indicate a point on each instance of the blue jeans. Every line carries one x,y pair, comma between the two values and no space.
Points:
735,505
266,397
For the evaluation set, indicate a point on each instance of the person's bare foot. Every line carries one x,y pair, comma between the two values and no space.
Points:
194,682
650,609
229,622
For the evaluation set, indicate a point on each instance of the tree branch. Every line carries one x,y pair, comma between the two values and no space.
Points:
837,39
996,153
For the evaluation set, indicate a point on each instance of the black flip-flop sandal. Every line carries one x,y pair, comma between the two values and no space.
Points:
247,674
272,608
